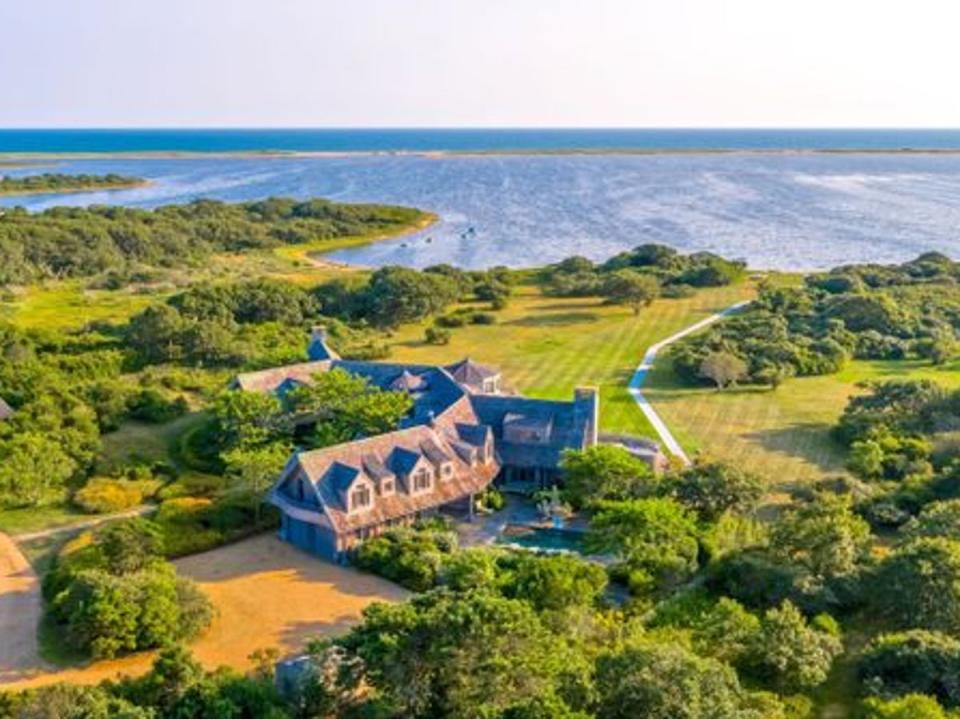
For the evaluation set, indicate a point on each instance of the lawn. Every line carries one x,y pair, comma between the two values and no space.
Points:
68,304
140,442
781,434
547,346
33,519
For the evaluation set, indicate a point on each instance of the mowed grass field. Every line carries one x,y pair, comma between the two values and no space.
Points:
783,434
547,346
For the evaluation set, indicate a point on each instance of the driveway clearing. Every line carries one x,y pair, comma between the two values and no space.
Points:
20,610
266,593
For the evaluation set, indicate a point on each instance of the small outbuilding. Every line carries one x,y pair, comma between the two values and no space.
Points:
6,411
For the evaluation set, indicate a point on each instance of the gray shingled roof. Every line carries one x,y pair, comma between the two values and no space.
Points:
6,411
468,372
569,429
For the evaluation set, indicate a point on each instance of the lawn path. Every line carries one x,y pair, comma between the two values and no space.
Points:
20,609
86,524
646,364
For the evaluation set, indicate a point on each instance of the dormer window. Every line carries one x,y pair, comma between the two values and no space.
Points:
421,479
386,487
446,470
360,497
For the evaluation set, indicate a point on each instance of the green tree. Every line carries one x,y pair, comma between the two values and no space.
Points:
555,581
34,470
937,519
912,706
396,295
723,368
347,406
247,419
913,662
666,681
628,287
605,471
866,459
458,655
253,470
713,488
824,537
129,545
790,653
656,538
72,701
918,585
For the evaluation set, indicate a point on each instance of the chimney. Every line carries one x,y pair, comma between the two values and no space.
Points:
318,349
586,409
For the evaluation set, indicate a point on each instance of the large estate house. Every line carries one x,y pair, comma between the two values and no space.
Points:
461,435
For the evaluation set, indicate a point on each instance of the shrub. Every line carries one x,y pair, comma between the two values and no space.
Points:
151,405
790,653
483,318
912,662
493,500
408,557
451,320
437,336
108,615
193,484
101,494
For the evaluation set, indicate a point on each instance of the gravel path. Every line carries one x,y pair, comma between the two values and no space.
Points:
646,364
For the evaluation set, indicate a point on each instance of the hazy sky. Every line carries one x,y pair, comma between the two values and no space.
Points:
479,62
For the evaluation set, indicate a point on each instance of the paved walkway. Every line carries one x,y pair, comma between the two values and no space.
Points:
643,369
20,610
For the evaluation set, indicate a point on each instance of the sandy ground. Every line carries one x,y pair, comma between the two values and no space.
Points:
20,609
267,594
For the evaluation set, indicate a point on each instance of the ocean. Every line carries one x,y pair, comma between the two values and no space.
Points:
468,140
777,210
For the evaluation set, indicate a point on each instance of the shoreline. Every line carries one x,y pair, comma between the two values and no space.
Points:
75,190
21,159
318,259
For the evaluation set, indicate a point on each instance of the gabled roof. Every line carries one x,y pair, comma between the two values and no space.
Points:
270,380
569,428
342,476
434,452
333,469
6,411
470,373
403,460
374,466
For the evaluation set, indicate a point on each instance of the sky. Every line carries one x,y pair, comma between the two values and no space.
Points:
476,63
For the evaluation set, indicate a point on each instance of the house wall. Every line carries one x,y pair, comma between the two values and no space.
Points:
309,537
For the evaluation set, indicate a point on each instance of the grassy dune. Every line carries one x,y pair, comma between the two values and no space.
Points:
547,346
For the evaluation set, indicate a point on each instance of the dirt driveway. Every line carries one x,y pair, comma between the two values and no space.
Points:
20,608
266,593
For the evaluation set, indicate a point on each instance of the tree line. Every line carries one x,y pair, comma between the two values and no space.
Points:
60,182
64,242
871,312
